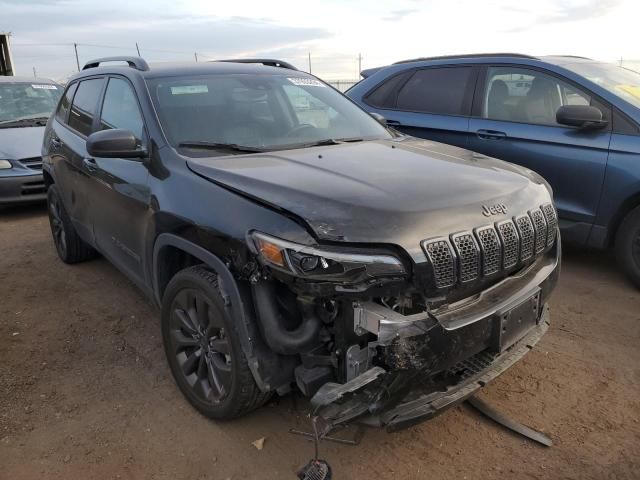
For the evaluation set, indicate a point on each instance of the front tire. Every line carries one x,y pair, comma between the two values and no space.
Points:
203,348
70,247
628,245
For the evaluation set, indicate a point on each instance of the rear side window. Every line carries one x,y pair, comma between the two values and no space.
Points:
65,103
84,106
440,91
385,94
120,108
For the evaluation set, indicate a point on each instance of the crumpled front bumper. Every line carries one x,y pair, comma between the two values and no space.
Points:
481,369
425,365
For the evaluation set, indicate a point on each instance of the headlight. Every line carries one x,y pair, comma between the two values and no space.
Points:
320,264
5,165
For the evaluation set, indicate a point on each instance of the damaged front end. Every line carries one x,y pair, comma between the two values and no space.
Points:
380,339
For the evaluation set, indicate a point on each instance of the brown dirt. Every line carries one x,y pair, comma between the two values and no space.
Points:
85,391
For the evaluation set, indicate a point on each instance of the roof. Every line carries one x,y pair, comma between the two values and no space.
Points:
466,55
12,79
554,59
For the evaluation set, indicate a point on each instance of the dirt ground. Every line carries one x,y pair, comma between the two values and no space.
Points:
85,391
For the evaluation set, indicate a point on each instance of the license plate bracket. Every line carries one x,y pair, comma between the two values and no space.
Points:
511,324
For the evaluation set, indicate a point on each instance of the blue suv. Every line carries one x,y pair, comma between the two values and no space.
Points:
573,120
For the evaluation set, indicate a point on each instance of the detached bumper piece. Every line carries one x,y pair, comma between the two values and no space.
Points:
400,399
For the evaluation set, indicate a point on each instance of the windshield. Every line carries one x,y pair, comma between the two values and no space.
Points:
620,81
21,101
266,112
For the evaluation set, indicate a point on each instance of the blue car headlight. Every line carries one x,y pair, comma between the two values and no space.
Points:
5,165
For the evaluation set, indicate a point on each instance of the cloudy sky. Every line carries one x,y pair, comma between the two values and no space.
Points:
334,32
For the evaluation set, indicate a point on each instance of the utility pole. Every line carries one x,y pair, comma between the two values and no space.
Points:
195,54
138,49
35,75
75,47
359,63
309,62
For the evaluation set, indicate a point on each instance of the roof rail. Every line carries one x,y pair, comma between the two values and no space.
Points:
134,62
470,55
269,62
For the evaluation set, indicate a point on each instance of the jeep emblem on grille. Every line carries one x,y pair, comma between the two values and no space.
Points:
498,209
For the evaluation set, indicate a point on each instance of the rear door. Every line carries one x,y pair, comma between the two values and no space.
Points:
120,194
515,120
432,103
73,124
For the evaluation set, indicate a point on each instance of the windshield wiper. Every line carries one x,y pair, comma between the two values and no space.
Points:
322,143
234,147
24,122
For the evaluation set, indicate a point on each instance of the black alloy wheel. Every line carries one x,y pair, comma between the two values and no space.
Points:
200,346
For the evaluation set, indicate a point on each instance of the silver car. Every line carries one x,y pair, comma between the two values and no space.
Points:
25,106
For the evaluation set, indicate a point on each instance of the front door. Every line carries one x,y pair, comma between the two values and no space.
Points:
120,191
516,121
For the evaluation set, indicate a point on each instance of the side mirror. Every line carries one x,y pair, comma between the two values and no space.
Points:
114,143
581,116
379,118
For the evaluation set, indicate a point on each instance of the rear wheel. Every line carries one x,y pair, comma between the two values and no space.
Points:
628,245
203,347
70,247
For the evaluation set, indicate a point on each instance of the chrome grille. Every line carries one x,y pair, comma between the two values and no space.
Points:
540,226
468,256
441,258
510,243
490,249
552,222
527,236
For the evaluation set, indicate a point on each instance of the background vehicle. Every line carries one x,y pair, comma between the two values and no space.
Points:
25,106
574,121
299,242
6,59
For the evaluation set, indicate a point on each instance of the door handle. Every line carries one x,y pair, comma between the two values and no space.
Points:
394,123
56,142
491,134
90,164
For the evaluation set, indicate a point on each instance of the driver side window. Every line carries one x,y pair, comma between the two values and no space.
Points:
309,110
120,109
527,96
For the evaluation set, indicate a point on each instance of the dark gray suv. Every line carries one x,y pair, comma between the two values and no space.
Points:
292,241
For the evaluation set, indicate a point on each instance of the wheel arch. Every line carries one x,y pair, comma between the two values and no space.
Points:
270,371
623,210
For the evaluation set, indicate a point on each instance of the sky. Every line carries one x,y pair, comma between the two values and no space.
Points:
333,32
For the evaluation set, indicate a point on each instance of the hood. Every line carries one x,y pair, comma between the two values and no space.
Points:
387,191
24,142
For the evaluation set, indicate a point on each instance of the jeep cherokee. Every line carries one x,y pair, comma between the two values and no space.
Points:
289,238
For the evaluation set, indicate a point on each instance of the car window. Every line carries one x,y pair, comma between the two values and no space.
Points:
309,110
65,103
386,94
27,100
120,108
85,103
436,90
527,96
260,111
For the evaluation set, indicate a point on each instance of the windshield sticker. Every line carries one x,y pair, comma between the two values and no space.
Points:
189,89
306,82
44,86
